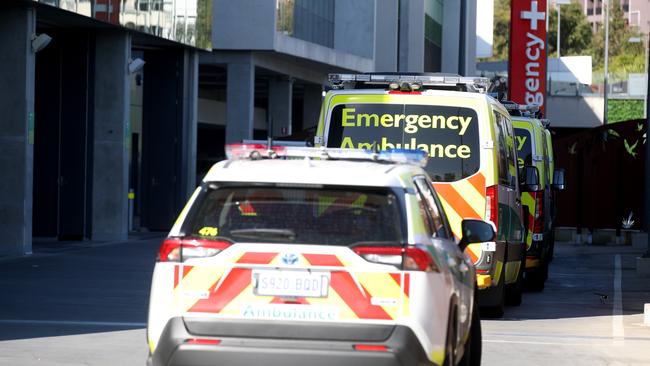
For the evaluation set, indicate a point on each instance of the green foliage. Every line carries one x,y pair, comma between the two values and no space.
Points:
624,56
577,38
501,30
204,25
575,31
620,110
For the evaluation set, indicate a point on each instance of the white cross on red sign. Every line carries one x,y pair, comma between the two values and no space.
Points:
533,15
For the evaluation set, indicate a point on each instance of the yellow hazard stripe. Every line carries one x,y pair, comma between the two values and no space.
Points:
528,200
474,198
198,279
497,272
381,285
452,216
333,298
512,269
246,297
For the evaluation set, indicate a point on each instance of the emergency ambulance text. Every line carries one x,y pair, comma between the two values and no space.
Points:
412,122
434,150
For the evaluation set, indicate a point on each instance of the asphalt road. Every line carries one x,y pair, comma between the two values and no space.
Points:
590,313
87,305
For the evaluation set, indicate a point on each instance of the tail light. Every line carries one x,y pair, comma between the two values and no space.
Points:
203,341
178,249
538,226
408,258
492,204
371,347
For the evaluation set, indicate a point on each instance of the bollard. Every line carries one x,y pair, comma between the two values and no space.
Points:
131,198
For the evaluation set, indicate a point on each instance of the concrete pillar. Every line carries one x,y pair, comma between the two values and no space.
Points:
354,26
469,51
189,123
17,25
411,36
386,15
312,100
280,104
451,36
111,134
240,95
459,37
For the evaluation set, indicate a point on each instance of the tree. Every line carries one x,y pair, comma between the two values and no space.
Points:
576,31
501,30
204,25
576,34
624,56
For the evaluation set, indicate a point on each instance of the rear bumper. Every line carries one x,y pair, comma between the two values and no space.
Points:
266,342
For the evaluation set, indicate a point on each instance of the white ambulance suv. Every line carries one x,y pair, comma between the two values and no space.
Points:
303,256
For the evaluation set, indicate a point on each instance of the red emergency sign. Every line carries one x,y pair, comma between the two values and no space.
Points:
527,63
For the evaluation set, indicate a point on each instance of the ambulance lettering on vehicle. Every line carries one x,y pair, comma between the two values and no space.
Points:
455,131
231,292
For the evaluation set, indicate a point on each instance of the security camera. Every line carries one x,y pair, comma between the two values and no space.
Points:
136,65
39,42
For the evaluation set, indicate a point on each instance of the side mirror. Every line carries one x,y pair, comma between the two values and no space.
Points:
559,179
529,179
476,231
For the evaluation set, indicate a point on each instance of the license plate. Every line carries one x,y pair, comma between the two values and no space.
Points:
290,283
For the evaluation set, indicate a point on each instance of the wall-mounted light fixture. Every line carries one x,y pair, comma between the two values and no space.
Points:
40,41
136,65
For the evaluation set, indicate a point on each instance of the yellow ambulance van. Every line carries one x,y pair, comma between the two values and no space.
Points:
472,157
534,148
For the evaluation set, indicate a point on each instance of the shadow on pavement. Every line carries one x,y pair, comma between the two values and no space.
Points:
68,288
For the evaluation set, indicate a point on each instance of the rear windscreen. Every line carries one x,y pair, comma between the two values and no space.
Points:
448,134
524,147
296,215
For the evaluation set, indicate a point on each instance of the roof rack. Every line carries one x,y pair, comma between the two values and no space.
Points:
411,82
523,110
261,151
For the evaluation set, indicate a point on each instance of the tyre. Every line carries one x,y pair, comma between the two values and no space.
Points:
497,297
535,279
450,350
474,344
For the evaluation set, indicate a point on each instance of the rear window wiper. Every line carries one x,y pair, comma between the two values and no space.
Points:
265,233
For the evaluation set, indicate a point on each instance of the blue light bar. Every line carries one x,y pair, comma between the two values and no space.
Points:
259,151
405,156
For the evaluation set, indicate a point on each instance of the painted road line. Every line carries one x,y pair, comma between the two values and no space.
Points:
618,332
540,343
72,322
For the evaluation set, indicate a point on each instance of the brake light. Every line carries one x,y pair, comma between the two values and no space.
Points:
178,250
492,204
408,258
371,347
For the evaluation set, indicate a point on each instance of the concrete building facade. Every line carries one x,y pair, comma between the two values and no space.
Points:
637,13
114,109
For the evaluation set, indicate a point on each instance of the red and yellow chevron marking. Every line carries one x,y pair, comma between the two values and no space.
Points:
356,294
461,200
528,200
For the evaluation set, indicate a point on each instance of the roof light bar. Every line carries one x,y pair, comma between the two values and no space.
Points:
512,106
258,151
477,84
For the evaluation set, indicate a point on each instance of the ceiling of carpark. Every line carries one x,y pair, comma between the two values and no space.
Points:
214,76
